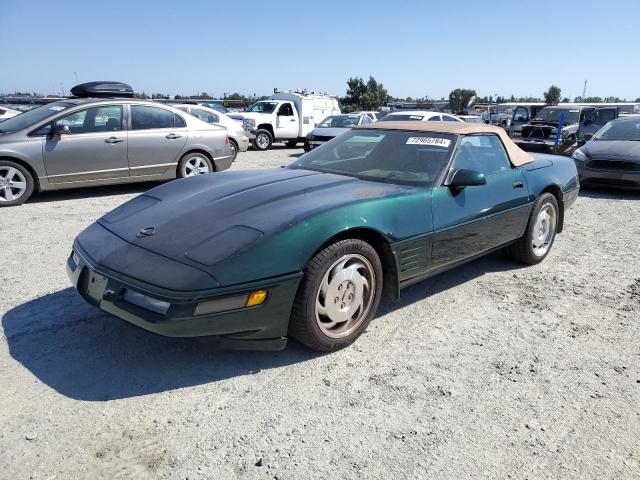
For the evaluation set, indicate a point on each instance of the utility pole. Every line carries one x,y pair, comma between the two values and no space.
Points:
75,73
584,90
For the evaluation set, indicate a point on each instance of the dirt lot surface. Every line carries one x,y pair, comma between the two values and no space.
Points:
488,371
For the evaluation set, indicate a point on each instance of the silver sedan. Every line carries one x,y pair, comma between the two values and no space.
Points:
82,142
238,134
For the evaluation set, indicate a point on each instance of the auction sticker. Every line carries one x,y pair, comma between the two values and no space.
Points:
437,142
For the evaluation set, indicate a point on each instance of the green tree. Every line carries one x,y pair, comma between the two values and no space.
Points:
552,96
356,89
236,96
459,98
374,96
364,96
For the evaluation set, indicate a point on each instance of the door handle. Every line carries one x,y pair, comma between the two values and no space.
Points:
173,136
114,140
518,184
292,120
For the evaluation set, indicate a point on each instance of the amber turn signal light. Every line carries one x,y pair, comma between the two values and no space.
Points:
256,298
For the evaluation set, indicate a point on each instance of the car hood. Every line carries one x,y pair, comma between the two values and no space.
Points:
243,115
208,219
600,149
329,131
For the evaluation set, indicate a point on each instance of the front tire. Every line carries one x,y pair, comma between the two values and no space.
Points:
338,296
535,244
263,140
194,163
16,184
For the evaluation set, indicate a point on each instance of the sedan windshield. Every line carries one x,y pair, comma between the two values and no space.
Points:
550,114
627,129
31,117
263,107
339,121
385,156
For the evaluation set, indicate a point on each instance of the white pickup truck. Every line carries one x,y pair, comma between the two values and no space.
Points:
286,117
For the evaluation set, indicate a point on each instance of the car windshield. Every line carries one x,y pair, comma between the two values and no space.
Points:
31,117
550,114
263,107
216,106
339,121
626,130
385,156
400,117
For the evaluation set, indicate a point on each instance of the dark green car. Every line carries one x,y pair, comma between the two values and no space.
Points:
308,251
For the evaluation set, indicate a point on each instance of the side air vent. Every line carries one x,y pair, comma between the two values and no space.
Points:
412,258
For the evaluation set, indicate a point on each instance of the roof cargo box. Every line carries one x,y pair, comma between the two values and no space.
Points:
102,89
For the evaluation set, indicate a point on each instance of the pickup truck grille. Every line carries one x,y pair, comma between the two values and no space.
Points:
614,165
538,131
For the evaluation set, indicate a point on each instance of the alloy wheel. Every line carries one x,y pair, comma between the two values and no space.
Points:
13,184
345,295
544,229
262,140
196,166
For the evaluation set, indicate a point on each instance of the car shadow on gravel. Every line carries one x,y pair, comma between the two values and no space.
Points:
609,193
92,192
85,354
495,262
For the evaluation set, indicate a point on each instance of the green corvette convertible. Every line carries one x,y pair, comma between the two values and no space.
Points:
308,251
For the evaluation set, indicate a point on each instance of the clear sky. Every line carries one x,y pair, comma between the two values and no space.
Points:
415,48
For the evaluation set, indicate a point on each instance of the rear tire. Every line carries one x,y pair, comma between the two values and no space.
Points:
538,238
263,140
338,296
194,163
234,146
16,184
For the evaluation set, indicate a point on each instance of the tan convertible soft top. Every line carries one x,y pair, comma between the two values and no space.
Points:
516,154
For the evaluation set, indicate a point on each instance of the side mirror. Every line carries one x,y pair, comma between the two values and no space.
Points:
60,130
462,178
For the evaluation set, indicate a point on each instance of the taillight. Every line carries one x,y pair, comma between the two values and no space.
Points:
226,139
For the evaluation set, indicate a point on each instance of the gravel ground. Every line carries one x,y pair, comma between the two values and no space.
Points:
488,371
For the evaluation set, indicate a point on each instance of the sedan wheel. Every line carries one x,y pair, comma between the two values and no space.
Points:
16,184
338,295
193,164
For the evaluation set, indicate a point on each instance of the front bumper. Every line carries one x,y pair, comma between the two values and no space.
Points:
541,145
257,327
626,180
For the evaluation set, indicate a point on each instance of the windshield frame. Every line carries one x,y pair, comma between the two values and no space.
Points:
66,106
435,182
